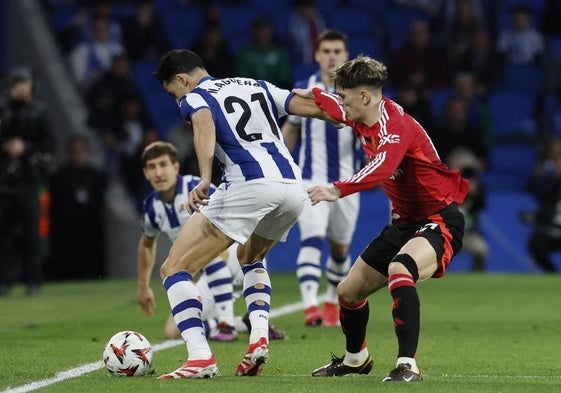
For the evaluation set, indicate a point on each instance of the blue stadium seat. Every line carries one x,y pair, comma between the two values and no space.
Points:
168,5
143,75
437,101
505,233
270,7
503,17
281,20
352,22
513,159
327,7
554,47
537,7
123,11
511,115
303,71
397,22
552,110
237,43
377,7
162,110
183,25
369,46
522,78
500,181
63,15
160,106
236,21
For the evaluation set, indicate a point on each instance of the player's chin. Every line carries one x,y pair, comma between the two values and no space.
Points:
161,186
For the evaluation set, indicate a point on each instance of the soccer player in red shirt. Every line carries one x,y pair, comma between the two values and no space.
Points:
426,227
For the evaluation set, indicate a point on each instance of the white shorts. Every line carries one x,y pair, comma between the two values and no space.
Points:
268,209
336,220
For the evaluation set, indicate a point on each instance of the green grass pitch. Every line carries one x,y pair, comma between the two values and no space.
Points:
479,333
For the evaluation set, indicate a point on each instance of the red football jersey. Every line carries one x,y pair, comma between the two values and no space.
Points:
402,159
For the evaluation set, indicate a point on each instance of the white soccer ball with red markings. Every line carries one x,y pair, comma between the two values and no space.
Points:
128,354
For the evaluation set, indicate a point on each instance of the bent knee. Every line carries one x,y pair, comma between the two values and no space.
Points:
349,294
167,270
163,272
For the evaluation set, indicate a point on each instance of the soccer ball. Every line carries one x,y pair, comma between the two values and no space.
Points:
128,354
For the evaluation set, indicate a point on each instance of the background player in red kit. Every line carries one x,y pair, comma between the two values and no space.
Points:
426,229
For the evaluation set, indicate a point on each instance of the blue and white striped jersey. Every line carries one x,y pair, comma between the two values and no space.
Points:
168,218
249,143
326,153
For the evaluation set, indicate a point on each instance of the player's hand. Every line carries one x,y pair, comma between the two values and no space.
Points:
304,93
320,193
147,301
198,196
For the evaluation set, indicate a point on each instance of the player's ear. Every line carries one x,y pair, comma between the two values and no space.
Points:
182,78
365,96
176,166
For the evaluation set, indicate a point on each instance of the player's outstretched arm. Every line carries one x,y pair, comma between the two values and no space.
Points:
306,107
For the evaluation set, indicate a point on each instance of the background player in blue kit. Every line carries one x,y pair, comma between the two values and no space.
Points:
259,201
326,154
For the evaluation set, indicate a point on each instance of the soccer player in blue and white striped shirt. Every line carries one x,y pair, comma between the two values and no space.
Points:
165,211
326,154
234,119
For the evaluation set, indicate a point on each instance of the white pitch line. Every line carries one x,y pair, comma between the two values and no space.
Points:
490,376
88,368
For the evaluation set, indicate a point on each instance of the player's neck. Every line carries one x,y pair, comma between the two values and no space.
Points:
327,81
167,196
196,76
372,114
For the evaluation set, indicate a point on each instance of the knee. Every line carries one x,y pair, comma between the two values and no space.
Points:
347,294
165,270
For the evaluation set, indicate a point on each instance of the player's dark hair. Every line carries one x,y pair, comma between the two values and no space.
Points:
331,35
177,61
158,149
360,71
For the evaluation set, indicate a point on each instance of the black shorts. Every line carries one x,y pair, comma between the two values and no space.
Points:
444,230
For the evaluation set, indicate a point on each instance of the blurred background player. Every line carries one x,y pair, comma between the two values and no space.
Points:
325,155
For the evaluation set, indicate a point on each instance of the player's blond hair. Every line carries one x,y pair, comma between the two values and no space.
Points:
360,71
